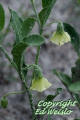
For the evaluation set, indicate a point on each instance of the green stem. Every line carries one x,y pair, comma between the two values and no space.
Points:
40,31
37,55
29,95
8,57
38,49
12,93
34,9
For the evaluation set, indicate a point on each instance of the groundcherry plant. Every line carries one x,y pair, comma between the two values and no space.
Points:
25,38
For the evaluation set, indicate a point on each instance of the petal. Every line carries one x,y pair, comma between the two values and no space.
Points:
40,85
60,39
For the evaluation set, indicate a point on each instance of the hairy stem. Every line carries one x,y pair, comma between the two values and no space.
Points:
8,57
15,92
34,9
29,95
40,31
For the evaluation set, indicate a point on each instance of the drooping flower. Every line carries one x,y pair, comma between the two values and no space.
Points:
40,84
60,37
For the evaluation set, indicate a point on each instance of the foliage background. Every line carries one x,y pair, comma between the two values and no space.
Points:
51,56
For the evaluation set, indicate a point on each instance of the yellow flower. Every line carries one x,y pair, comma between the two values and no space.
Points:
40,84
60,37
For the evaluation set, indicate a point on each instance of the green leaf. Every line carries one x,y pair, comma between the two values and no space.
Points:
34,40
17,52
75,40
4,102
46,3
21,28
50,97
75,87
2,17
77,98
63,77
45,12
76,71
59,90
16,23
27,26
78,1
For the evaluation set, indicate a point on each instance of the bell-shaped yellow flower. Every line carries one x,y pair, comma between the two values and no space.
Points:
60,37
40,84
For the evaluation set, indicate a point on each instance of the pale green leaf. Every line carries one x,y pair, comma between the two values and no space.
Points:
17,52
34,40
63,77
45,12
75,87
27,26
16,23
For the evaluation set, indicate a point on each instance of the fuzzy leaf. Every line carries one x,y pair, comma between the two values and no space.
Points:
16,23
45,12
21,28
27,26
50,97
46,3
34,40
17,52
76,71
63,77
75,87
2,17
77,98
75,39
59,90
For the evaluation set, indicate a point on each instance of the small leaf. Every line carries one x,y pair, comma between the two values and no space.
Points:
27,26
45,12
17,52
76,71
50,97
75,87
63,77
77,98
21,28
16,23
75,40
59,90
2,17
4,102
46,3
34,40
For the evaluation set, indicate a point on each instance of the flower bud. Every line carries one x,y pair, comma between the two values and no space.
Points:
60,37
37,72
4,102
40,84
